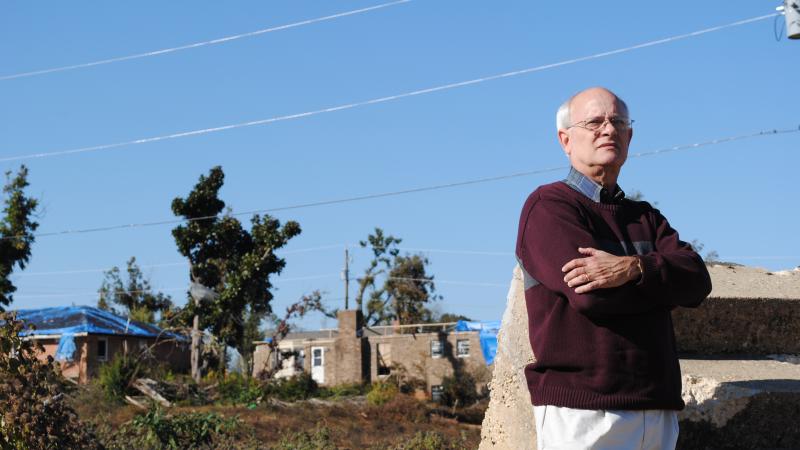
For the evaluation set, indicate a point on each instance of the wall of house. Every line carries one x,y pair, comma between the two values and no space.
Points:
69,369
353,358
86,363
350,350
412,352
175,355
262,358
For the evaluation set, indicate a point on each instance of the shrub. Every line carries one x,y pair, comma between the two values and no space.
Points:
318,439
298,387
238,389
405,382
431,440
381,393
117,375
401,408
156,430
33,413
342,390
459,389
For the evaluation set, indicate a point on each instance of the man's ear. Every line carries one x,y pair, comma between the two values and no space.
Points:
563,139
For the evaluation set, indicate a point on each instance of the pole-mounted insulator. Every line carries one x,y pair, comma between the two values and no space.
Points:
791,12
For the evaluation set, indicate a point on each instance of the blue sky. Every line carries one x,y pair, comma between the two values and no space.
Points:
738,198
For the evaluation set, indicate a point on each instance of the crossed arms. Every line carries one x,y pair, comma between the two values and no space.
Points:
558,249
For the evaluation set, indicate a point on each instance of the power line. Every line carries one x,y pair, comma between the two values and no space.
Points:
456,252
201,44
86,294
380,99
411,249
311,249
310,277
462,283
173,289
411,190
81,271
152,266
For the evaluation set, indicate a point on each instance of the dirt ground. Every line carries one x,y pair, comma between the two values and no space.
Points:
351,422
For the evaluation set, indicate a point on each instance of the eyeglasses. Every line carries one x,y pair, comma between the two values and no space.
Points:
596,123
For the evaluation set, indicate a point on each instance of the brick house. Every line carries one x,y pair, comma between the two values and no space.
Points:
354,353
82,338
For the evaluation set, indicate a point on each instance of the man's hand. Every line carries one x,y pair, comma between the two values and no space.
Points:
599,270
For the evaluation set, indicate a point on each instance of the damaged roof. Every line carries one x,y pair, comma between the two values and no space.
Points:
83,319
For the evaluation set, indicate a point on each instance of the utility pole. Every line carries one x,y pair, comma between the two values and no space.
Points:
791,9
346,278
199,293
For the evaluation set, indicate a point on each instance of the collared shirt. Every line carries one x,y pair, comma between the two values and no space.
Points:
591,189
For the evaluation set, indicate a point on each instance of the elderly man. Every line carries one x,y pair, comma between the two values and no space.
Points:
602,274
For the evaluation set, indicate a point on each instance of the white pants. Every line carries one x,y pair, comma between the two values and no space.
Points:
566,428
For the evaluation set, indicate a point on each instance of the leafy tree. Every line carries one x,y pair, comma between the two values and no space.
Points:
384,250
234,263
637,196
135,296
252,333
282,327
409,289
33,408
16,231
710,257
406,288
452,317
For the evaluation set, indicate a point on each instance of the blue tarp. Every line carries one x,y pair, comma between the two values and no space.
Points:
66,348
84,319
487,333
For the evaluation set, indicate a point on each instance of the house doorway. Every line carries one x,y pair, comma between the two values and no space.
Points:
318,364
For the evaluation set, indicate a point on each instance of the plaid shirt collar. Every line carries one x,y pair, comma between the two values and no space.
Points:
589,188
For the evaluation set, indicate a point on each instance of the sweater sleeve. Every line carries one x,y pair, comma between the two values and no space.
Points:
549,236
673,274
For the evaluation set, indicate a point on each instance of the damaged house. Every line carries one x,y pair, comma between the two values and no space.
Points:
83,338
356,353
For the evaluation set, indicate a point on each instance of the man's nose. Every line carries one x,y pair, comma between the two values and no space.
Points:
607,128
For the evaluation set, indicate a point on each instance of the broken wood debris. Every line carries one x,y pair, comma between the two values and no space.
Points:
149,388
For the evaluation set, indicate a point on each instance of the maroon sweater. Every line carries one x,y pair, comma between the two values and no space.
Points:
609,348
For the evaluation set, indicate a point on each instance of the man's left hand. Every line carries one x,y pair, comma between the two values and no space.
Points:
599,270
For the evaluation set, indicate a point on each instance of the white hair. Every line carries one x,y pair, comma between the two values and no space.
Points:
564,117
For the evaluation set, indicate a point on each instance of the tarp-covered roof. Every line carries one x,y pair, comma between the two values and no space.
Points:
83,319
488,330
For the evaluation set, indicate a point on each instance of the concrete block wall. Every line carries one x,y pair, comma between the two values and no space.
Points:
413,352
348,349
760,326
734,402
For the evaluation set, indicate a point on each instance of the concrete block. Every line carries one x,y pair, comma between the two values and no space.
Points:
740,404
744,403
508,423
750,312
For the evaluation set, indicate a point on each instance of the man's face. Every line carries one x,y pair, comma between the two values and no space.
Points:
606,146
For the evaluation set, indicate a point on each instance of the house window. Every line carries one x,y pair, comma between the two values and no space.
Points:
102,349
384,354
436,392
462,348
437,348
316,357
